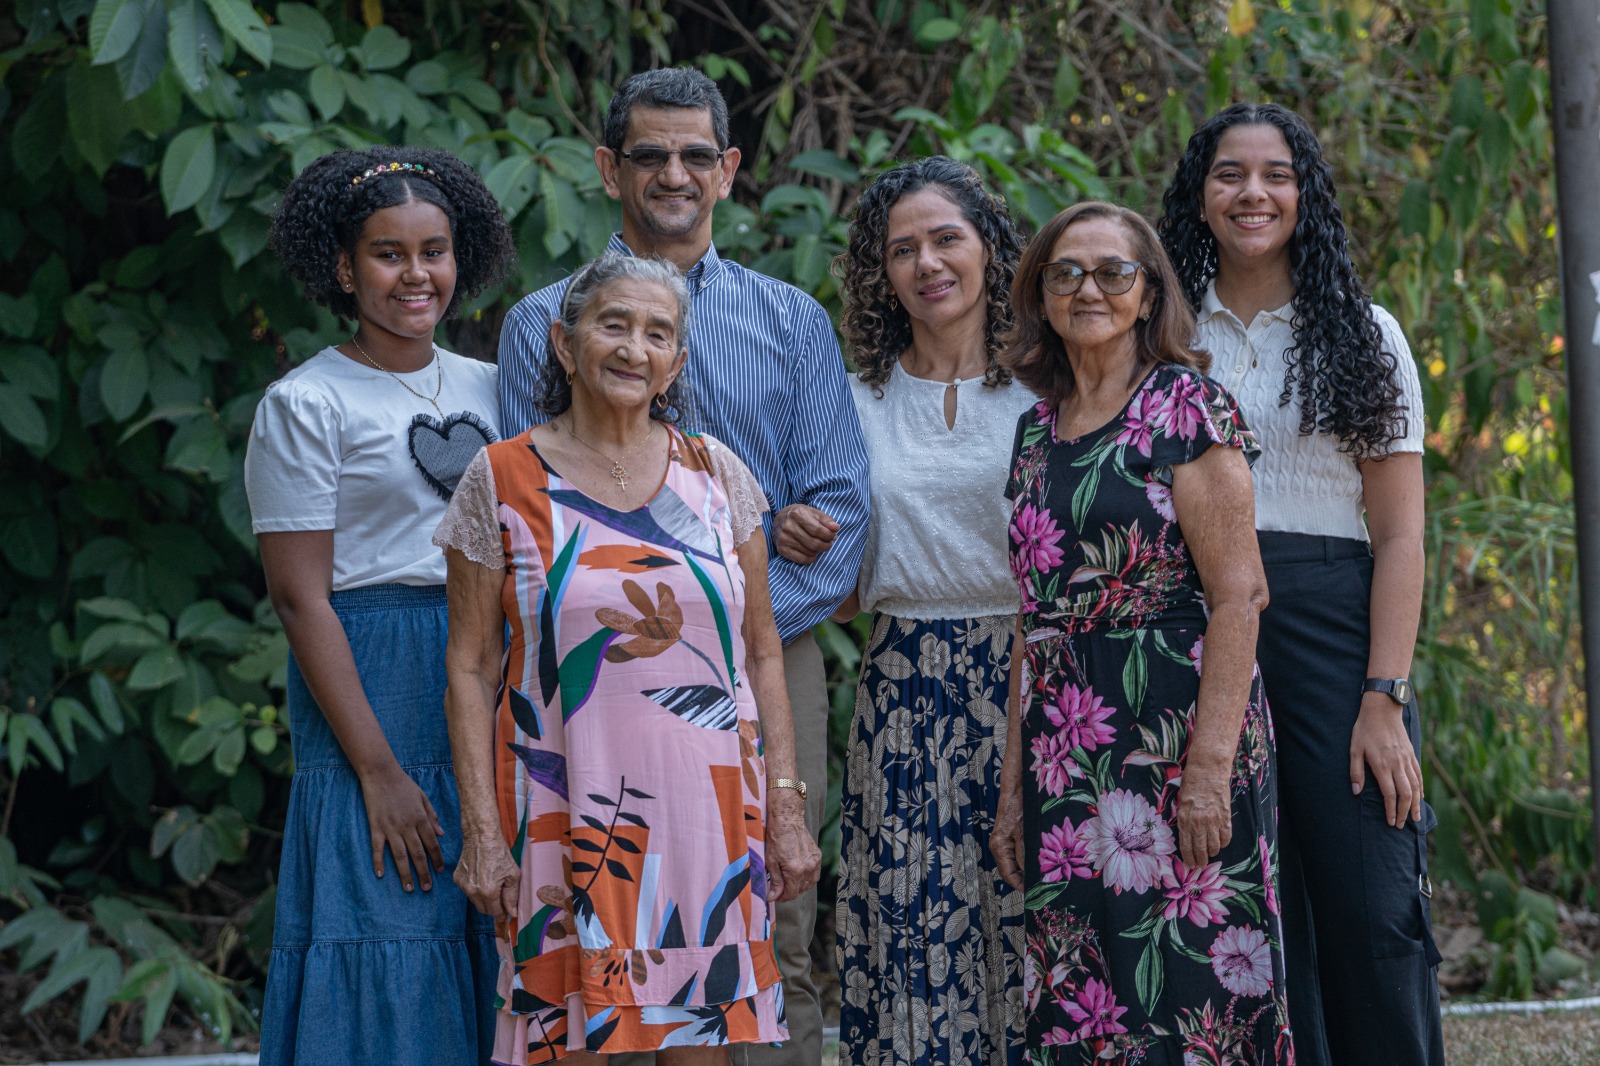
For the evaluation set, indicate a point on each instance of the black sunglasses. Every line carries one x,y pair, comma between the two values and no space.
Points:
1114,279
650,160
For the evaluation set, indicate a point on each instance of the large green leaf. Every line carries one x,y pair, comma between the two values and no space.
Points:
96,115
194,41
240,21
187,168
114,27
513,181
21,418
123,381
138,69
384,49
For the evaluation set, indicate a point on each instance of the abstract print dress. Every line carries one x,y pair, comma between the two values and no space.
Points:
628,765
1134,958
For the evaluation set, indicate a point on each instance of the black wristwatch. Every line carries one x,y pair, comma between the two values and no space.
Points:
1396,688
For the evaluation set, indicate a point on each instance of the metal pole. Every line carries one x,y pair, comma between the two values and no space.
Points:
1574,27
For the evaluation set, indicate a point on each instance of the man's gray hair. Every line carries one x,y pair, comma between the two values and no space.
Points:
666,87
598,273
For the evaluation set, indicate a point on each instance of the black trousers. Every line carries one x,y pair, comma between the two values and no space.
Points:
1362,977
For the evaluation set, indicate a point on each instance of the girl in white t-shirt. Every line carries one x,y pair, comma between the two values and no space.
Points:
352,458
924,920
1326,380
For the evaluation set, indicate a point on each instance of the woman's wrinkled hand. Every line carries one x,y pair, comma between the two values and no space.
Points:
801,533
489,877
1205,814
1005,841
400,817
794,862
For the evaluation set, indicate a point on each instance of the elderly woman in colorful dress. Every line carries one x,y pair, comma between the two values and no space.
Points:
628,799
1139,806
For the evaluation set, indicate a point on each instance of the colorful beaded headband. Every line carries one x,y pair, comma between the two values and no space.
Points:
390,168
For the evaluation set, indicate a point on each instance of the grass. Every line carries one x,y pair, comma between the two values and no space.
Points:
1555,1038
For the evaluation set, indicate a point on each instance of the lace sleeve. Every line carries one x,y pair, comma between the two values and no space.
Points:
471,523
746,502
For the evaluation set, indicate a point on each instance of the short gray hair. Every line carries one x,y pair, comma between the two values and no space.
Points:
612,266
553,392
667,87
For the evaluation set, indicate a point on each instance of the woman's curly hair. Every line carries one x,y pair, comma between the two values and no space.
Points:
876,328
1036,352
322,214
1338,367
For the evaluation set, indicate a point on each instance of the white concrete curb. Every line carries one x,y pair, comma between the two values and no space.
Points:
221,1058
1528,1007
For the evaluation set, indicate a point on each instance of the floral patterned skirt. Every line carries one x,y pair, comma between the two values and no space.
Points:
929,937
1134,958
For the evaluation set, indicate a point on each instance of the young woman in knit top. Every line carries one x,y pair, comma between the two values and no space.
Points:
1327,381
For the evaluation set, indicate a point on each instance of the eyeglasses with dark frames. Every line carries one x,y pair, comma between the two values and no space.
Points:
1114,279
649,160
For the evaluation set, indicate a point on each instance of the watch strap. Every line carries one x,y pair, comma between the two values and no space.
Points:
1396,688
785,782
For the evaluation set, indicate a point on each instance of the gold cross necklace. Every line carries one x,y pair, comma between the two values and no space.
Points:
619,473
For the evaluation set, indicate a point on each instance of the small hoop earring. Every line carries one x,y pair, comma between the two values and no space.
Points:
570,376
659,398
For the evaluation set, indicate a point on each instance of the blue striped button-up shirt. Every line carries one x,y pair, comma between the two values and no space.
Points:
765,377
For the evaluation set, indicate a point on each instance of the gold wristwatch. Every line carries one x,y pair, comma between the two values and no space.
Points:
784,782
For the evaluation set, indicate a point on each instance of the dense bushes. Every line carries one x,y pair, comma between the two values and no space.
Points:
144,759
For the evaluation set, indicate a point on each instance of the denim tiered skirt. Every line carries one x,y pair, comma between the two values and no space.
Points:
361,970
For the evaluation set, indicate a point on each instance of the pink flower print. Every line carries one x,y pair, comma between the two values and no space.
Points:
1035,535
1058,1036
1139,423
1269,873
1081,715
1096,1010
1181,410
1160,497
1242,961
1196,894
1062,855
1195,652
1128,841
1053,766
1032,983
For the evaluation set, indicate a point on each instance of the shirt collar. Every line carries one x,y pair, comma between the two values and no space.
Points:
703,273
1210,305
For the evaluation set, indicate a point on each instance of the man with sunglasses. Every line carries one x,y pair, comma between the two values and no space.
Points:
765,377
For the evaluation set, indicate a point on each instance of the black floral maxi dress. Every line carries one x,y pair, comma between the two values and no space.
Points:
1132,957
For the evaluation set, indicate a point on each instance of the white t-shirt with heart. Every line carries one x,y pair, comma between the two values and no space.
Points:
344,446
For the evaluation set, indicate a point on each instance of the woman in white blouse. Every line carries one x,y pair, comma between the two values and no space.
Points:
376,955
1327,380
929,936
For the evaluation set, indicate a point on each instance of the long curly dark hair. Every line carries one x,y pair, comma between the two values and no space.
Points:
876,328
1337,367
322,214
1035,350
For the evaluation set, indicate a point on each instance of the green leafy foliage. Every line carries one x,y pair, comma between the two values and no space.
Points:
141,317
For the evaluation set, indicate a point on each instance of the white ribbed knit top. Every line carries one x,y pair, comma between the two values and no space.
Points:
936,540
1304,484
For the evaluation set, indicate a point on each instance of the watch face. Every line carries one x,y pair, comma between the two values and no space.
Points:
1402,691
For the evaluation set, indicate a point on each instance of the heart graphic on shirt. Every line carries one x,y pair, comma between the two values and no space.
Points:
442,450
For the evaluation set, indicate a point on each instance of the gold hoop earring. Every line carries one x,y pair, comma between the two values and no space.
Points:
659,398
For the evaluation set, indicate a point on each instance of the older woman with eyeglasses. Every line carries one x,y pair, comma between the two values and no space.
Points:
1144,827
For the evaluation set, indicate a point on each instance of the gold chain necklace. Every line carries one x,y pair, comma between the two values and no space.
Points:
619,473
437,389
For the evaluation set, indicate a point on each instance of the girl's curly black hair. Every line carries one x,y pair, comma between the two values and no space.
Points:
322,214
1344,378
876,328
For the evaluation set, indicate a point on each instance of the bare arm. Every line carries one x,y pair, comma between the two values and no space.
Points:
1005,840
1216,510
472,660
299,569
793,861
1393,495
